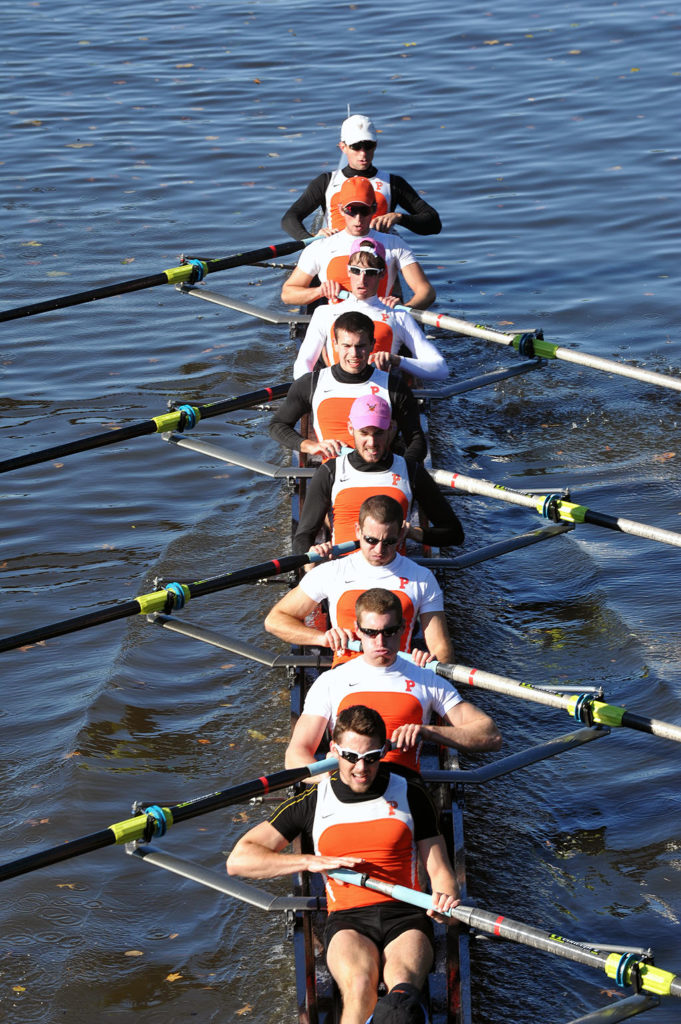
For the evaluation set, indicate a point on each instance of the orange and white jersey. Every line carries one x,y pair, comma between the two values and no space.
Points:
327,258
402,693
381,186
341,581
394,330
351,486
380,831
332,401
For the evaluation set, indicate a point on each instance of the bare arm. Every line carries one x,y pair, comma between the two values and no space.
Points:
423,291
287,621
258,854
306,737
468,728
446,894
436,635
298,290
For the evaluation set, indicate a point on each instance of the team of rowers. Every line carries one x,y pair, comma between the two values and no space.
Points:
373,813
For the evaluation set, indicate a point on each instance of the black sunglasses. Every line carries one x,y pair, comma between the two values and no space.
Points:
362,145
358,210
388,631
387,542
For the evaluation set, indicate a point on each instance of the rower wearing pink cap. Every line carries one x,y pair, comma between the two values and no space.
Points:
341,485
327,259
399,342
397,203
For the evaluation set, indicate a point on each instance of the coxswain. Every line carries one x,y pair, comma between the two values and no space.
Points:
405,694
367,817
380,530
358,141
340,485
328,394
326,260
399,342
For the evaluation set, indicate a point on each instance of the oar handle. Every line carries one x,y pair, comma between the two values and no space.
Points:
624,968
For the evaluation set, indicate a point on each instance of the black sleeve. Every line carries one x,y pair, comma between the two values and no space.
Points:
421,218
446,527
422,811
406,412
312,199
297,403
317,504
295,815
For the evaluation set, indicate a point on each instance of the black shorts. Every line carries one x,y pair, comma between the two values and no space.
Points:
380,922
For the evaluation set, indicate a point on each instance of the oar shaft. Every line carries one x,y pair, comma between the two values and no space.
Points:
159,424
653,979
72,625
164,599
566,510
135,829
176,275
543,349
55,854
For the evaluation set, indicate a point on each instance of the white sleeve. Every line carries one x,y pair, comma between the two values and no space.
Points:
312,344
445,697
318,701
426,361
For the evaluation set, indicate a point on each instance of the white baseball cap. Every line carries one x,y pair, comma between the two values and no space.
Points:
357,128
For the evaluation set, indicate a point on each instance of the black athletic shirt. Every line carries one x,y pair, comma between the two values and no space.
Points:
298,402
421,218
446,528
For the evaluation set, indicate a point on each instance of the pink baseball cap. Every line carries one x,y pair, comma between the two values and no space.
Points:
367,244
370,411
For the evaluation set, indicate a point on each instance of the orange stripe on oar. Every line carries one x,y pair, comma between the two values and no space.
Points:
470,676
265,782
497,924
276,563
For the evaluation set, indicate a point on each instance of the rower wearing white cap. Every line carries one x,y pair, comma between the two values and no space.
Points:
358,141
322,269
340,485
399,342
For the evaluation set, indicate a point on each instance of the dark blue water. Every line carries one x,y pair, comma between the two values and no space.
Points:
548,140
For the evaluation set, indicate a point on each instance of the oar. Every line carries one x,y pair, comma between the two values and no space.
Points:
583,707
155,821
554,507
183,418
174,595
625,968
531,344
190,270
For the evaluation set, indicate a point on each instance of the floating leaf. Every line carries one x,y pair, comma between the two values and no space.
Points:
664,456
256,735
20,988
174,976
66,885
26,244
133,952
244,1009
204,741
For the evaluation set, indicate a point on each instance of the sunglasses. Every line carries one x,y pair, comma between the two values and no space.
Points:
371,756
368,271
356,146
388,631
387,542
358,210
